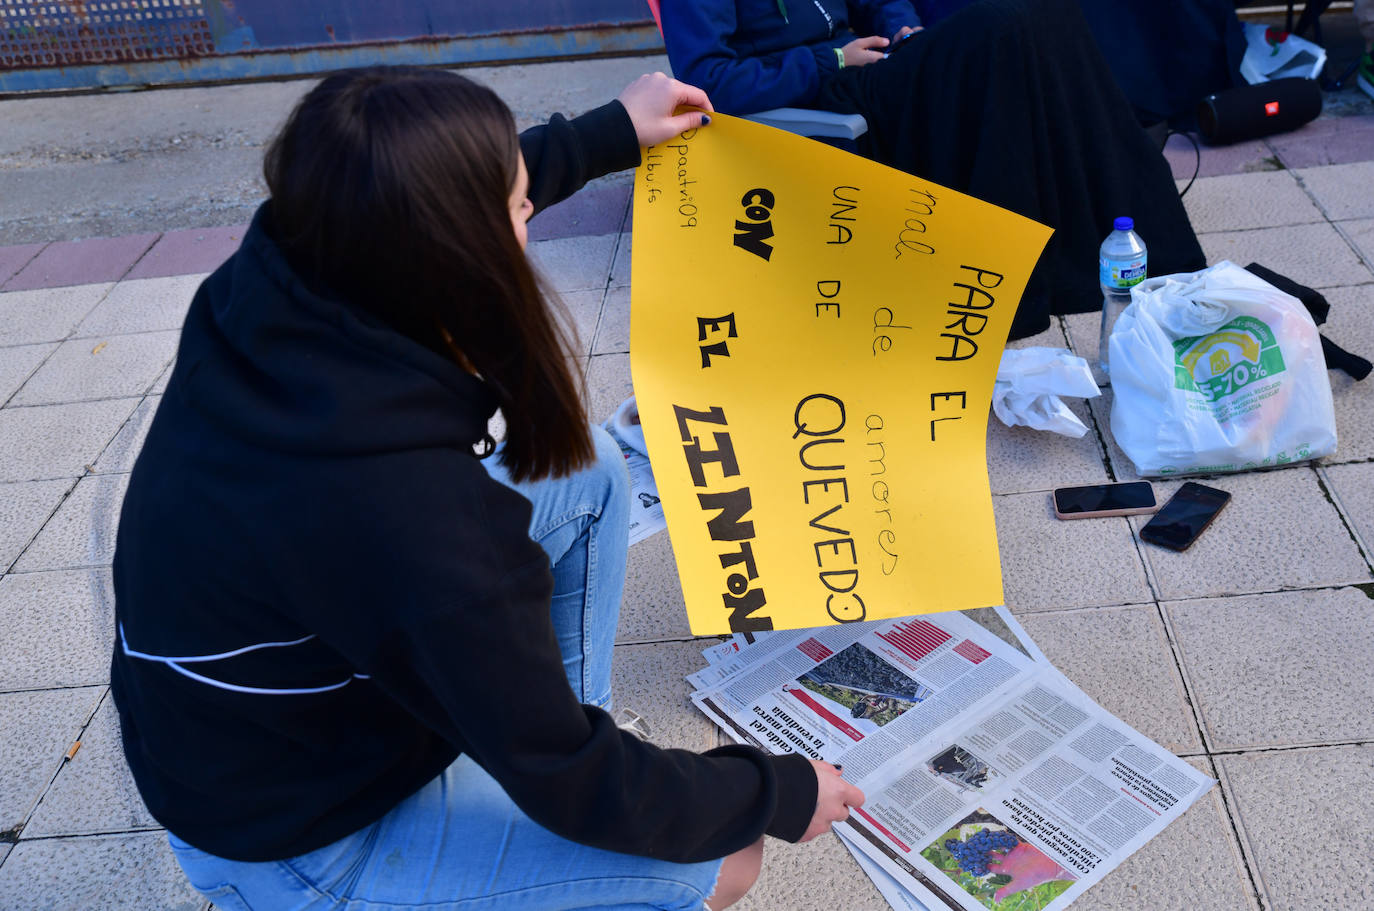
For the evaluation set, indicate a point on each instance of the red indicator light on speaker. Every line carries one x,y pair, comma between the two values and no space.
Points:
1271,109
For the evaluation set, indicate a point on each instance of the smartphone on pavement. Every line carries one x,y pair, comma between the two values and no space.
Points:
1091,501
1189,511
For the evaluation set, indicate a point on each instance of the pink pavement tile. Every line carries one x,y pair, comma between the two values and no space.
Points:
81,262
14,258
1240,158
1334,140
188,252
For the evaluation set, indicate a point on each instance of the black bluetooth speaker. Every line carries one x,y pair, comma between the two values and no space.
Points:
1252,111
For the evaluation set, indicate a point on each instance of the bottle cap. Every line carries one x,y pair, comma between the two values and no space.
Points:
1124,223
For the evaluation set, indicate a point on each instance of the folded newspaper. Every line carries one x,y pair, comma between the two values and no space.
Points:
991,780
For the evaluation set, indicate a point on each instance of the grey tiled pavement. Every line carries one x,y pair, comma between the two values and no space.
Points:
1249,655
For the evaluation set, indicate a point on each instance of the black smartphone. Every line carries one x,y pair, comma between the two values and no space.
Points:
1183,518
1093,500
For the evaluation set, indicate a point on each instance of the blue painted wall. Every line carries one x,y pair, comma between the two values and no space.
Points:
304,23
47,45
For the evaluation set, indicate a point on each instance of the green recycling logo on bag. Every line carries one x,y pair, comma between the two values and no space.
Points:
1218,370
1242,352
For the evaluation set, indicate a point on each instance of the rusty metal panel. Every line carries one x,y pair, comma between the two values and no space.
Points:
39,34
49,45
272,24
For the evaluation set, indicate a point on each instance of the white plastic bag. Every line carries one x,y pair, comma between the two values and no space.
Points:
1218,371
1030,382
1272,53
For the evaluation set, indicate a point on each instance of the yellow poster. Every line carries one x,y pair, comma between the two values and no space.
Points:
814,339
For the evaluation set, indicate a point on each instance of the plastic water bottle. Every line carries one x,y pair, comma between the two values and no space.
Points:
1121,265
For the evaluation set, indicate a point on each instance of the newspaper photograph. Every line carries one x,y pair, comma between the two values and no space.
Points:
991,781
646,509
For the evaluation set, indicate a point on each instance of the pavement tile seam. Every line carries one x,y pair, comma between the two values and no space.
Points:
1237,830
1297,174
1328,491
670,640
8,569
627,213
1237,818
79,318
101,834
75,476
19,387
1258,748
50,689
1365,586
1264,228
51,341
64,351
61,763
7,345
103,398
77,334
18,265
1065,340
63,281
72,271
1344,232
1113,605
590,341
59,567
87,472
1342,510
1335,459
1289,748
1104,452
151,388
92,476
1193,688
1175,652
1151,578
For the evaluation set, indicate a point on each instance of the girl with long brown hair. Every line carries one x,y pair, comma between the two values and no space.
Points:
363,654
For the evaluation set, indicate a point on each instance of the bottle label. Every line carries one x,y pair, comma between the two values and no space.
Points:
1118,274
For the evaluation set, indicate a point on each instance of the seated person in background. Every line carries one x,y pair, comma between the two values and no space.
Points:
1166,55
1006,100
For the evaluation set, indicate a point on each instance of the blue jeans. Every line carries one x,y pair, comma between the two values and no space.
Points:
459,842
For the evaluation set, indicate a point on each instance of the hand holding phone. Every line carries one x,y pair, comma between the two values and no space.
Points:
1092,501
1184,517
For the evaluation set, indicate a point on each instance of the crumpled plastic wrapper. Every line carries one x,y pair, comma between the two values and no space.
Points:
1029,386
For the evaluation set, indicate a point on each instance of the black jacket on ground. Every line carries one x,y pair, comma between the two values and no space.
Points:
351,601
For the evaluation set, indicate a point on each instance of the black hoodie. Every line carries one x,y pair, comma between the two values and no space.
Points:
319,590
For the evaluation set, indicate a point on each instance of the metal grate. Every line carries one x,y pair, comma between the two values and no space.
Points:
48,34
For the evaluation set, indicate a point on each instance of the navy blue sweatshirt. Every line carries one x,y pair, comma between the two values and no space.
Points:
318,588
752,55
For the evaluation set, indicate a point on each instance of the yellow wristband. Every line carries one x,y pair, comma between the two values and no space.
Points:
839,55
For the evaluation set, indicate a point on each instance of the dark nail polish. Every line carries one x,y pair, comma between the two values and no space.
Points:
705,120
